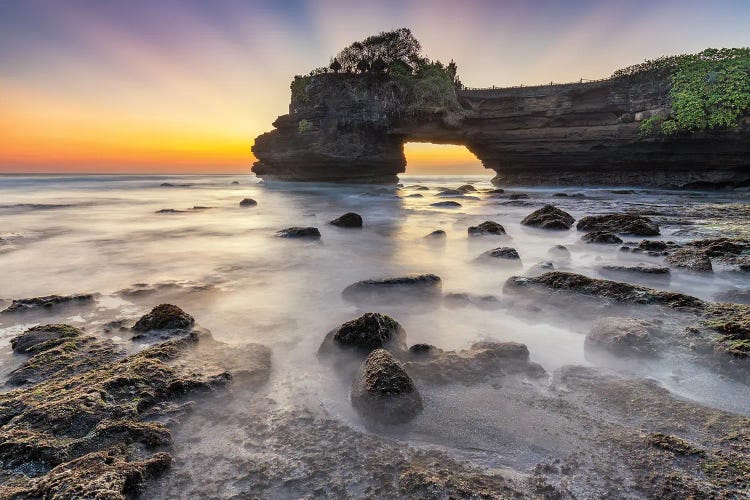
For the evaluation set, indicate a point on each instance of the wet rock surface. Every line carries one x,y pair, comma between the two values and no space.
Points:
690,259
47,303
505,253
622,336
629,224
415,286
437,234
445,204
486,227
297,232
637,269
85,426
363,335
601,238
382,391
549,217
164,317
348,220
481,362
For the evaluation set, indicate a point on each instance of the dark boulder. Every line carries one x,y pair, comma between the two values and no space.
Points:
447,193
383,392
412,287
348,220
622,337
690,259
414,195
506,253
621,223
519,196
248,202
299,232
487,227
365,334
601,238
549,217
445,204
164,317
48,302
235,183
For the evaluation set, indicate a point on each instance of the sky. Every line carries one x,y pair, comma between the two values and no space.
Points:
184,86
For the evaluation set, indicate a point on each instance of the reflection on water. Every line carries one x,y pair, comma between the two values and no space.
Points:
101,234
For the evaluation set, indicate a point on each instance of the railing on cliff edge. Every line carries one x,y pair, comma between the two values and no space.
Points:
550,84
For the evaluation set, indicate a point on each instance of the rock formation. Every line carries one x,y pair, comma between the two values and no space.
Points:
349,128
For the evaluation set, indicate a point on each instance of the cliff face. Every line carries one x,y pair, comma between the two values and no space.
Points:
349,128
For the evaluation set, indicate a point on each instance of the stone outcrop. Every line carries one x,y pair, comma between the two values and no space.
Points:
350,128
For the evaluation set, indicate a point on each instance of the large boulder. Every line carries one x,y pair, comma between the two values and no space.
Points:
549,217
164,317
299,232
691,259
487,227
415,287
466,188
363,335
620,223
48,302
382,392
621,337
348,220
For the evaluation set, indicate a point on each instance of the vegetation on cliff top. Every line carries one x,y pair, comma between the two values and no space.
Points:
710,90
421,86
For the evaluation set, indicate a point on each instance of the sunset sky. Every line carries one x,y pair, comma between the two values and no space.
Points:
185,86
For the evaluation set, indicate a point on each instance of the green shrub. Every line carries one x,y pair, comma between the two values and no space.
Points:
710,90
304,125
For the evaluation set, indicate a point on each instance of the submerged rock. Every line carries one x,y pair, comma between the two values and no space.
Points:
466,188
170,211
48,302
639,269
348,220
519,196
620,223
299,232
622,337
416,286
560,251
363,335
466,299
445,204
601,238
486,227
549,217
164,317
506,253
436,234
382,391
690,259
248,202
414,195
483,361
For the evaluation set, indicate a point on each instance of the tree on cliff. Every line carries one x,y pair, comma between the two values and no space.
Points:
388,46
335,65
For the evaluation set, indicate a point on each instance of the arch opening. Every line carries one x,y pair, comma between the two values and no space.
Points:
426,158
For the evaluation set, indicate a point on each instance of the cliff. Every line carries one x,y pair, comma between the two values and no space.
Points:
351,128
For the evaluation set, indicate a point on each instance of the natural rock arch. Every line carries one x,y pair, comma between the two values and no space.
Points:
341,129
